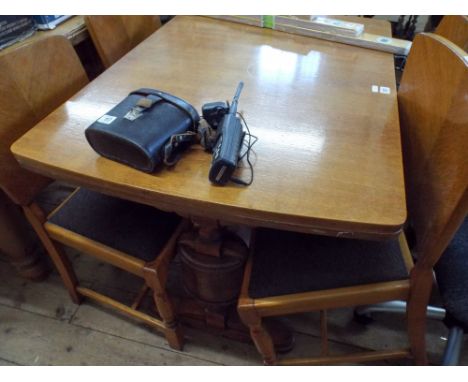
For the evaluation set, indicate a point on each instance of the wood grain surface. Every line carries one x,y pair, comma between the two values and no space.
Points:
34,80
434,117
328,159
113,36
454,28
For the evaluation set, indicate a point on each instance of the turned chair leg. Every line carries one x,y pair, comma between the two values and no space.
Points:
37,219
17,243
174,334
260,336
173,330
264,343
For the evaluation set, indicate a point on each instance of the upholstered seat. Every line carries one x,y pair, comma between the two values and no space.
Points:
123,225
289,262
452,278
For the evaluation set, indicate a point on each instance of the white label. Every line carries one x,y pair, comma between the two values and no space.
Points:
375,89
384,90
134,113
107,119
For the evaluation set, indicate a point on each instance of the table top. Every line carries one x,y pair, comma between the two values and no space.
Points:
328,159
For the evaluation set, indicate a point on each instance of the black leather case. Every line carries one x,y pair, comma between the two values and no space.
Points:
136,130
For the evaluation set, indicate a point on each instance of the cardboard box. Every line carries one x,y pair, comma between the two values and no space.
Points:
326,29
322,24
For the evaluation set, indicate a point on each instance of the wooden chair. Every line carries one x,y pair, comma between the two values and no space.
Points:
449,272
114,36
34,80
291,273
454,29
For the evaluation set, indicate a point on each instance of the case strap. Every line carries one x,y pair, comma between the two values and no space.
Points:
152,96
148,101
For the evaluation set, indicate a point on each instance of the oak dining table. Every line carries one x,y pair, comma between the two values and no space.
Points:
328,159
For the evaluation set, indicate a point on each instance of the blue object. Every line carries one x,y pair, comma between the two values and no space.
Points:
49,22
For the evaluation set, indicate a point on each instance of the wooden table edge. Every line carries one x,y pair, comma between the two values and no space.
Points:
226,214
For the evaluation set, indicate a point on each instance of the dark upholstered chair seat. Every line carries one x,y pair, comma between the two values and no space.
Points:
288,262
132,228
452,277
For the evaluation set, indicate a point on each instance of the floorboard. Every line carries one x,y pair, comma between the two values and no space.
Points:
40,325
31,339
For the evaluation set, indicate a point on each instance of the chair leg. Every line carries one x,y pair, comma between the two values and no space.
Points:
17,243
173,331
264,343
260,336
37,219
416,313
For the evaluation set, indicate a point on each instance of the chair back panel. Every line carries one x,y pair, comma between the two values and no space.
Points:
139,28
454,29
34,80
433,103
114,36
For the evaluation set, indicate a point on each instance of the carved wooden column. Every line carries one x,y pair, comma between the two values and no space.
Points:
212,265
18,243
213,259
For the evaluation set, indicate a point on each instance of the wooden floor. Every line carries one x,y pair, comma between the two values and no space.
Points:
40,325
